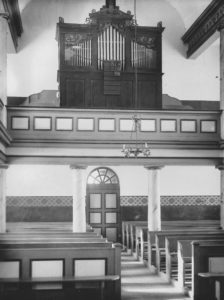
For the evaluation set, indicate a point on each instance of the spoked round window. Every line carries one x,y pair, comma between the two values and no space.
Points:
102,175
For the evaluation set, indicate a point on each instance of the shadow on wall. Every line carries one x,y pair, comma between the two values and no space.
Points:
41,15
149,13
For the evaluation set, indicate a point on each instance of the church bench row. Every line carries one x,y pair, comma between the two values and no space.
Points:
160,241
129,228
171,250
208,257
65,262
185,252
128,234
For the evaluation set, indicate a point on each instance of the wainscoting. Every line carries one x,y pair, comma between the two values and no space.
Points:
58,208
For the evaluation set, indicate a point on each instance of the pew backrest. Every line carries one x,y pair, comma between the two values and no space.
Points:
203,254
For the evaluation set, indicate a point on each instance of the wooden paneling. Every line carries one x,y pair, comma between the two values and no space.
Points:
126,99
75,93
146,94
97,96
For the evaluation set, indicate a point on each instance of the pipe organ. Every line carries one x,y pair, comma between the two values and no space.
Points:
99,60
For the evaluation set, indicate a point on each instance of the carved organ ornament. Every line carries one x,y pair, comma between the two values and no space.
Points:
110,47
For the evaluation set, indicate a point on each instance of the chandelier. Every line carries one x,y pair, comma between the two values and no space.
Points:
136,150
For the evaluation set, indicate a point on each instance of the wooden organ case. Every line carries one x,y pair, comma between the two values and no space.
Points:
110,62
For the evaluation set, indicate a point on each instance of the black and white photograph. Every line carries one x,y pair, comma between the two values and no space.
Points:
111,153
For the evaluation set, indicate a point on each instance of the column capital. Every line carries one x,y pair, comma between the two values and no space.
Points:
153,167
78,167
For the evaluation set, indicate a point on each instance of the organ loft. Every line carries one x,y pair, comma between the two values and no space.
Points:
110,62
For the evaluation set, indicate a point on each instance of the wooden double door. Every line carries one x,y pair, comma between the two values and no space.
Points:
103,210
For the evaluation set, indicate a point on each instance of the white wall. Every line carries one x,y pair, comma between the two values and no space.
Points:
38,180
34,180
34,67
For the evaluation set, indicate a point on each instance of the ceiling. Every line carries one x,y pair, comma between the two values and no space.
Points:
189,10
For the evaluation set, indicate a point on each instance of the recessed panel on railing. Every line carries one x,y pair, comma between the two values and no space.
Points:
168,125
20,123
42,123
188,126
64,124
106,125
85,124
126,125
208,126
148,125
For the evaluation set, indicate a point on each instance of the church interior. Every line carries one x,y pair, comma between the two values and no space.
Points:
111,159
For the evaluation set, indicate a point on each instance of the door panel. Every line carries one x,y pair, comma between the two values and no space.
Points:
103,210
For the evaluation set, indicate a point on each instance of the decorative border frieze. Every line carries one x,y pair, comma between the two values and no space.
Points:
190,200
39,201
66,201
172,200
134,200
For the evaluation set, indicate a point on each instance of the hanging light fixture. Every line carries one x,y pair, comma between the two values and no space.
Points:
137,150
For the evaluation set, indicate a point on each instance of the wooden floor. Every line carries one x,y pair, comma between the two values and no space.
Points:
138,283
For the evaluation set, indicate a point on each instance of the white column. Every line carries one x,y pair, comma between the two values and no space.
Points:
3,62
79,198
221,169
3,198
154,207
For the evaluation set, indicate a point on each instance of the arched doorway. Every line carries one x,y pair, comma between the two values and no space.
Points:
103,203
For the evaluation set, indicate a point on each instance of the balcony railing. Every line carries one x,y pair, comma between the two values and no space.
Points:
62,125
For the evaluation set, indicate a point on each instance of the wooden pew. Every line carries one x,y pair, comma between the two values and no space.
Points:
190,223
69,259
160,242
141,242
207,262
128,230
171,249
42,226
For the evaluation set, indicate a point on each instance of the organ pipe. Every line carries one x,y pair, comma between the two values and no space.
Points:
141,56
111,47
79,55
